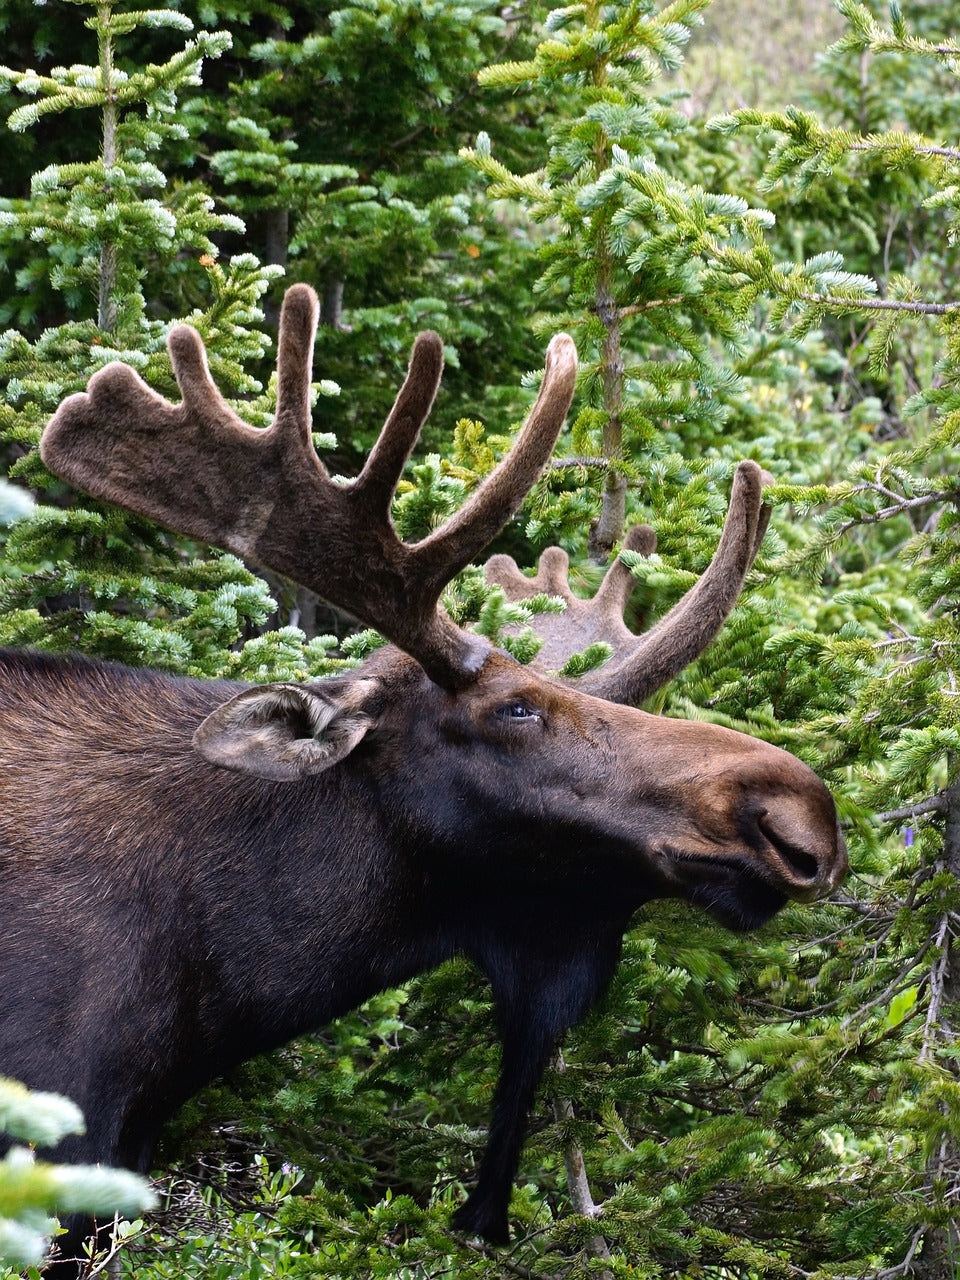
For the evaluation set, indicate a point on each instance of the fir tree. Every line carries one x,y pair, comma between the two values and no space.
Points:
892,724
95,232
639,264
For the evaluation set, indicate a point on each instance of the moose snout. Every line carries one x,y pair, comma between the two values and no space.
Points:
788,818
764,809
803,852
747,809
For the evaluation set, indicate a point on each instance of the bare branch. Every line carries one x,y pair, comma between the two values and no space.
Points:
935,804
578,1187
879,304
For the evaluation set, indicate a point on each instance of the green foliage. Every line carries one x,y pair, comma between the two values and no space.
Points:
336,141
772,287
883,682
87,578
646,270
31,1190
223,1244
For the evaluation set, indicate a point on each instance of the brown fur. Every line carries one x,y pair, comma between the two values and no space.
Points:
164,917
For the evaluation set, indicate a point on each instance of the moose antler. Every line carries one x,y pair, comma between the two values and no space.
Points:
642,664
265,495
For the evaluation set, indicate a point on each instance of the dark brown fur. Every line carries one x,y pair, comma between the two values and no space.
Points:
163,918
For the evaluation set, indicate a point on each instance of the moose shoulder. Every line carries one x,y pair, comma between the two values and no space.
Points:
167,844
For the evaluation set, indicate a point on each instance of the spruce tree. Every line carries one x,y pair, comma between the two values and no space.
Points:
890,734
636,271
92,239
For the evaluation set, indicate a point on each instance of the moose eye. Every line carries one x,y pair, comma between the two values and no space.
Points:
518,710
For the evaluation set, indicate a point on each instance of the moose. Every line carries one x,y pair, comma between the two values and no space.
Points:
167,844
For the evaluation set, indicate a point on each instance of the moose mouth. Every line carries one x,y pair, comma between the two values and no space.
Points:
731,890
741,904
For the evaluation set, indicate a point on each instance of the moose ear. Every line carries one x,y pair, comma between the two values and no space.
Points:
286,731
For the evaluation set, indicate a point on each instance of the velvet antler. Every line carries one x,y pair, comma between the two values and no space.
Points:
265,495
642,664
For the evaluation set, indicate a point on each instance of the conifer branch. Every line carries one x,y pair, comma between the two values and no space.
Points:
885,1273
949,153
107,305
637,308
899,983
905,504
878,304
506,1263
568,464
937,981
935,804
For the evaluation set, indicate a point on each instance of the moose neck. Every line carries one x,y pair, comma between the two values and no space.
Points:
288,885
303,930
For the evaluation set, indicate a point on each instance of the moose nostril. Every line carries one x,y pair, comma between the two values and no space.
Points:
804,864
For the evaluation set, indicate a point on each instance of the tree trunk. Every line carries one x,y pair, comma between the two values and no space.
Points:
578,1186
276,248
331,307
277,236
107,300
607,530
305,613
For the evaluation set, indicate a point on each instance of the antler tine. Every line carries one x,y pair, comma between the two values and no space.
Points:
614,591
198,468
551,577
195,467
201,398
583,622
389,455
448,549
299,316
642,664
684,632
189,360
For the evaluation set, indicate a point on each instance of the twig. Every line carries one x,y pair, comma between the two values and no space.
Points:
938,974
561,464
949,152
885,1273
935,804
506,1263
578,1188
880,304
637,308
899,983
906,505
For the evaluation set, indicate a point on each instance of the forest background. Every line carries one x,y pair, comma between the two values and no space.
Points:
743,279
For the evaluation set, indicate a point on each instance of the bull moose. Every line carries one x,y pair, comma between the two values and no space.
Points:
166,844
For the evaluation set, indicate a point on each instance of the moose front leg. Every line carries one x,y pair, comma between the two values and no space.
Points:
538,996
484,1213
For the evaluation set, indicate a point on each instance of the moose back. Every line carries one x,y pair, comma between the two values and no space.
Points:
195,872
